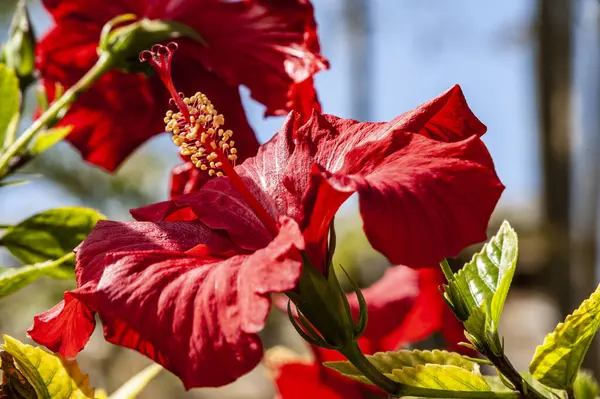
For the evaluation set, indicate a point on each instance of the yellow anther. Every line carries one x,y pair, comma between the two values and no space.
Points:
218,120
200,134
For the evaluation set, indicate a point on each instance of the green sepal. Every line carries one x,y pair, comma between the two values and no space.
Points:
324,304
557,361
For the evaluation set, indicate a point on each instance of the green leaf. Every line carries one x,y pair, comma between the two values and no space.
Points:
18,53
15,278
557,361
387,362
51,234
10,100
132,388
442,377
51,376
48,138
585,386
483,283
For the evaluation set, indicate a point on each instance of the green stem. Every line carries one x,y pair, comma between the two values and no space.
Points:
362,364
104,63
505,367
570,393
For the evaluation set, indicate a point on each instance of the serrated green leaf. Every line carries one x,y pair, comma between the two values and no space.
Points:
441,377
387,362
557,361
51,234
137,383
48,138
51,376
14,278
10,99
585,386
483,283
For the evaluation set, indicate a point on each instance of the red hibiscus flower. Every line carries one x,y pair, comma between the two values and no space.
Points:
189,285
269,47
402,310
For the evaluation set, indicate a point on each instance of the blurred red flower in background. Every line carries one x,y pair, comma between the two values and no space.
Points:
269,47
189,285
405,306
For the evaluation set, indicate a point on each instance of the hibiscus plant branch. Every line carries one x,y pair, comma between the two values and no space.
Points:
54,112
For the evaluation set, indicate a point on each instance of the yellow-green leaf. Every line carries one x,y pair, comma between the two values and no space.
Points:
10,99
387,362
557,361
48,138
51,234
132,388
51,376
442,377
14,278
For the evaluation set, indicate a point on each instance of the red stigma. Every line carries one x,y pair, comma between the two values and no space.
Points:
160,58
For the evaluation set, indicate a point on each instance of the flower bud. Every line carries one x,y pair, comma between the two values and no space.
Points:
324,315
125,36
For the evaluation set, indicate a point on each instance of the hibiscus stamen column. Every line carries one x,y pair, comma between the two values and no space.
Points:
197,129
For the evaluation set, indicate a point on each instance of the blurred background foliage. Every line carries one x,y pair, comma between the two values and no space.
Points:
530,70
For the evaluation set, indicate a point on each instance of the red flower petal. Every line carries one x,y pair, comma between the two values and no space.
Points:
420,200
109,236
65,328
219,206
266,46
187,178
93,12
445,118
197,319
300,381
271,48
389,301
